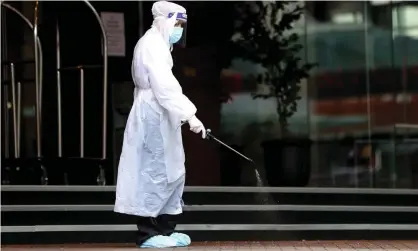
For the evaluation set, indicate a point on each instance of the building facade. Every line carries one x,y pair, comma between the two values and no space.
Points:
356,122
359,106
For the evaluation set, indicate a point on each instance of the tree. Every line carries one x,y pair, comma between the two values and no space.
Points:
263,36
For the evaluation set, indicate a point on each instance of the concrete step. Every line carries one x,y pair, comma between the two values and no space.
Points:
67,234
28,215
84,214
105,195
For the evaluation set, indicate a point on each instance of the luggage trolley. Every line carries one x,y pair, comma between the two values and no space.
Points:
81,69
12,164
12,167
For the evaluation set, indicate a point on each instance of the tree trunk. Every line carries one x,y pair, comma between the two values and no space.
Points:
284,132
281,111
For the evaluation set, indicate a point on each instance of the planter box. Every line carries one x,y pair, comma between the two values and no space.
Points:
287,162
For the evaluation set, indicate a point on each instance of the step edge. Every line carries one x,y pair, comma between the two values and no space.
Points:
213,227
218,189
260,208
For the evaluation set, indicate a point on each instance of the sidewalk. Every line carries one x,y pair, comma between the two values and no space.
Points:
241,246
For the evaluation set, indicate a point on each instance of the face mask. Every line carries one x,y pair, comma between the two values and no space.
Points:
176,35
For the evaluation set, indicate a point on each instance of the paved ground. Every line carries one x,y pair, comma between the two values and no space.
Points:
241,246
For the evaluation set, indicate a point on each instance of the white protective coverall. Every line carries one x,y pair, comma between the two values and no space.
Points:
151,173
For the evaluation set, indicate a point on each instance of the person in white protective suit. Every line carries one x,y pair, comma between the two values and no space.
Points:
151,173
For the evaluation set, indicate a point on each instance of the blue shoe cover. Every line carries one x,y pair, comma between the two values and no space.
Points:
182,240
159,241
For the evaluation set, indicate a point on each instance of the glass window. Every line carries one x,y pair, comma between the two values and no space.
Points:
347,18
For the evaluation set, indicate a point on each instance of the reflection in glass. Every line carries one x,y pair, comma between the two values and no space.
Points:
366,82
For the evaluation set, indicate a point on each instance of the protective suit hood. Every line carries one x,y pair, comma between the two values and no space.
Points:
165,15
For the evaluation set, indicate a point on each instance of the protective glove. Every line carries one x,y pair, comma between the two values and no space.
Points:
196,126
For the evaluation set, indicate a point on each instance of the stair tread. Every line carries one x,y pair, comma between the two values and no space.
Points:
212,227
232,207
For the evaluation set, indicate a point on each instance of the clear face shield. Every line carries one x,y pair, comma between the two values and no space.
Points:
181,22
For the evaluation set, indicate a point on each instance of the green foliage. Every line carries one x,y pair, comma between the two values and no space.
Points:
264,36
